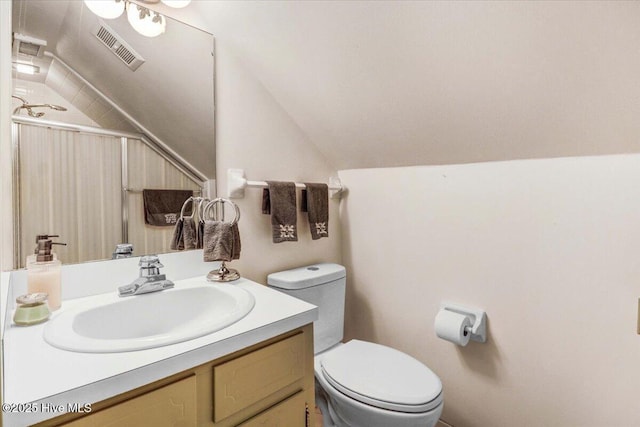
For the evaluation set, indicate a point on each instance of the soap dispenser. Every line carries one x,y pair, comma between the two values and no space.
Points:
43,270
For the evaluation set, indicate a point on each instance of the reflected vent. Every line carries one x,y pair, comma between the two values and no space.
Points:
27,45
119,47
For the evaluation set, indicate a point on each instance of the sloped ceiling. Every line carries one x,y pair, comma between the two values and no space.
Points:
380,84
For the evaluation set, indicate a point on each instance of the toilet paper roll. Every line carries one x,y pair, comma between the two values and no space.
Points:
451,326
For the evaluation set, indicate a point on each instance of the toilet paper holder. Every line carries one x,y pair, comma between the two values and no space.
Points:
478,318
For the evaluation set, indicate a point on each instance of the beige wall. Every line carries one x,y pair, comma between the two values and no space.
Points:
548,247
255,134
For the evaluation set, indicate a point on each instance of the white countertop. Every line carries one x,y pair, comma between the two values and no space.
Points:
35,372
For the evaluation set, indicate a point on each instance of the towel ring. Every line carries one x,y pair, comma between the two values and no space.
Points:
184,205
207,208
195,208
223,274
201,204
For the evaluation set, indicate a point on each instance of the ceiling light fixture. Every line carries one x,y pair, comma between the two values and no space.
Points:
26,68
144,21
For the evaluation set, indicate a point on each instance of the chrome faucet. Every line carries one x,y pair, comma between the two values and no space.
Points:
150,279
122,250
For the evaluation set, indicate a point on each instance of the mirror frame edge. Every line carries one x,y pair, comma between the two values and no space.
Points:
6,175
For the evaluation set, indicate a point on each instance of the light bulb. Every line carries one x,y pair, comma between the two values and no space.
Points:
144,21
107,9
176,3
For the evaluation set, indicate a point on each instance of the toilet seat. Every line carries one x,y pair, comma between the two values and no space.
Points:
382,377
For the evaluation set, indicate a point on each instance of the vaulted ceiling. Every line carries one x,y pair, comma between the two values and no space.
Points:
400,83
393,83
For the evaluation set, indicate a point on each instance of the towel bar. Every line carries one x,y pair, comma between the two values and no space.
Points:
237,182
139,190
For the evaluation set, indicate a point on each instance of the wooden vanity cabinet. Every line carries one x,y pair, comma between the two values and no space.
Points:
269,384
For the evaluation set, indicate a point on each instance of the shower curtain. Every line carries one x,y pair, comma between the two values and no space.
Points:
70,183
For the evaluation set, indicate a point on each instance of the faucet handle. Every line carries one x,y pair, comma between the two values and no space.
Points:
150,261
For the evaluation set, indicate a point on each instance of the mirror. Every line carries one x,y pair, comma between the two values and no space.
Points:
115,113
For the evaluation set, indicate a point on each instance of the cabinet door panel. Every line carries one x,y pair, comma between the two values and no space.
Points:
289,413
248,379
173,405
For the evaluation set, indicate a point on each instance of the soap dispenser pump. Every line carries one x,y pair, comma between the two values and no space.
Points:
43,270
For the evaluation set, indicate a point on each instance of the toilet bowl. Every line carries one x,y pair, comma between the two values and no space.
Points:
359,383
367,384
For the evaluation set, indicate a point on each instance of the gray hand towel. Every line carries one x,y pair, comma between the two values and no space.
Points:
280,201
221,241
236,241
162,207
177,244
315,201
189,237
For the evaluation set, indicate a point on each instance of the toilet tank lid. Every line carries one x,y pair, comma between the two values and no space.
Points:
307,276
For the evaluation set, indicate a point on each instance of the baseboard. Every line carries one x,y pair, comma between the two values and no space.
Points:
443,424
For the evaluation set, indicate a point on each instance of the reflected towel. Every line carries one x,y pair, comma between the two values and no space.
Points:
162,207
189,237
221,241
280,200
200,234
315,201
177,244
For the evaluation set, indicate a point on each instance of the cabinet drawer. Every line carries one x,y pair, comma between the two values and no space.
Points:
289,413
248,379
172,405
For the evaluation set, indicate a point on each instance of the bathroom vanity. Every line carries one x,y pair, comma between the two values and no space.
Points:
256,371
266,383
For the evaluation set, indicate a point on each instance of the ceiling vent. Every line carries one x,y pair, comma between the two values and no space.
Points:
118,46
26,45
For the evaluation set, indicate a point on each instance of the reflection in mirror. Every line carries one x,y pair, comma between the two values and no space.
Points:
101,113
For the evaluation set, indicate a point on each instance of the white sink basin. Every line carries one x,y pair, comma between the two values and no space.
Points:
107,323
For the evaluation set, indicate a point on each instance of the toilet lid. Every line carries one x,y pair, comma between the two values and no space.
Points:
382,377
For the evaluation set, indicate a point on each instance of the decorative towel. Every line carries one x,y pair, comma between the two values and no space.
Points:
189,237
280,201
315,201
162,207
177,244
221,241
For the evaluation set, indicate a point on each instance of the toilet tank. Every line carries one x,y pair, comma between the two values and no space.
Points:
322,285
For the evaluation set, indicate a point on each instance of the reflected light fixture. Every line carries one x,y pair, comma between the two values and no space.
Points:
107,9
26,68
176,3
144,21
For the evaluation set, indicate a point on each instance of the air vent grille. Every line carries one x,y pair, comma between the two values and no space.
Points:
119,47
27,45
29,49
106,37
125,54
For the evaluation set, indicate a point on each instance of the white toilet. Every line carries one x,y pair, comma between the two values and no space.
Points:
358,383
